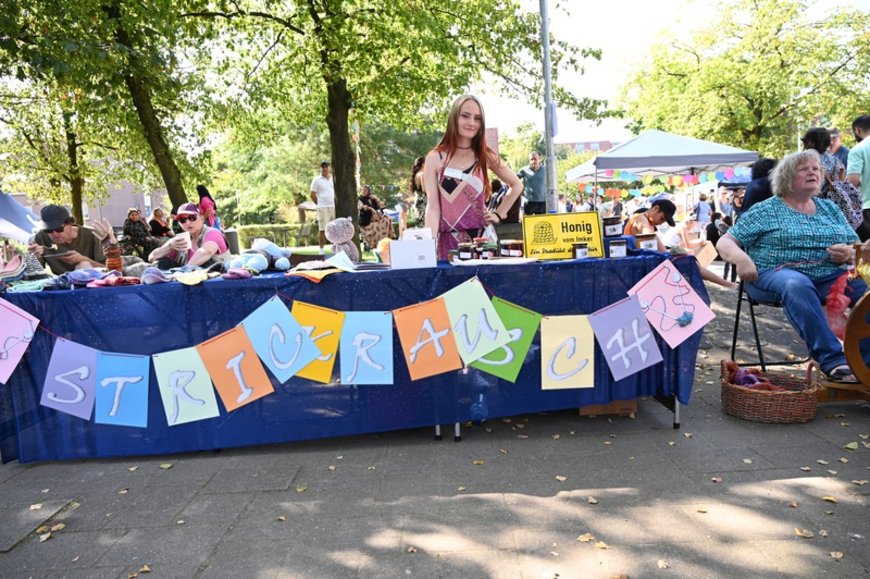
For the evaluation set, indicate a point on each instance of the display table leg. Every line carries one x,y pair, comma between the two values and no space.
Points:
457,437
437,432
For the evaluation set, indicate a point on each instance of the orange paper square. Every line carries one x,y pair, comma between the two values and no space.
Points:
235,368
427,339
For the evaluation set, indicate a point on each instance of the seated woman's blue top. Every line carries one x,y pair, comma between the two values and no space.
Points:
774,235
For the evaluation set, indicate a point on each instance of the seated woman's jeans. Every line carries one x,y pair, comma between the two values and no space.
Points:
801,299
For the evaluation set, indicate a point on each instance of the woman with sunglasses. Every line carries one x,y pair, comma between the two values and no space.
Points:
207,245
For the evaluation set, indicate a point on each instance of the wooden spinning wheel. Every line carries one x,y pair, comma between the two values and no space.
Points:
857,329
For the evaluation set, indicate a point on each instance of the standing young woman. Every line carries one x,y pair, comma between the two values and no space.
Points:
457,181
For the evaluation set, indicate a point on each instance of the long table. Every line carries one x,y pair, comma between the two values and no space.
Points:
146,320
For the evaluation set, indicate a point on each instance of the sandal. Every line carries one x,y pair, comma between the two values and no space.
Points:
842,375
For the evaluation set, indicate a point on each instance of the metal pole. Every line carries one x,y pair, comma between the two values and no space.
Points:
549,110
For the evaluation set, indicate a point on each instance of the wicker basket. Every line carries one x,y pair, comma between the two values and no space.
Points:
796,405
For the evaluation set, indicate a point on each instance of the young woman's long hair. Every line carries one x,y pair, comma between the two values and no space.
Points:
418,166
448,144
203,192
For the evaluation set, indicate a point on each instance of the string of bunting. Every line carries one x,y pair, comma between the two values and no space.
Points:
464,326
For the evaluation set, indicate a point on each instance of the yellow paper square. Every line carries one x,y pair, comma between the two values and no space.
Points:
567,353
324,327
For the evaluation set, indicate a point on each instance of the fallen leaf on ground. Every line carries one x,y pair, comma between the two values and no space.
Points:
123,491
45,490
478,462
716,479
829,499
45,537
133,468
844,424
747,461
702,510
76,558
132,575
554,554
843,459
851,446
607,443
601,545
829,512
36,507
58,527
339,457
820,461
671,443
823,533
805,533
572,432
179,522
839,416
371,468
487,429
864,436
411,549
461,489
520,425
592,500
331,467
586,538
837,555
793,505
42,529
556,437
503,450
561,478
301,488
166,465
832,472
506,420
687,434
281,518
522,436
860,483
806,468
662,564
144,569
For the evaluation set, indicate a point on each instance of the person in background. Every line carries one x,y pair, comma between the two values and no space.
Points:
838,149
499,190
137,238
723,202
456,179
373,224
858,167
790,249
534,179
713,231
561,204
418,194
737,203
323,195
63,245
703,211
207,207
818,139
646,220
158,225
207,244
758,188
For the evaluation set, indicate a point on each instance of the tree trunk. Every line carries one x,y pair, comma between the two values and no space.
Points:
151,127
343,159
76,181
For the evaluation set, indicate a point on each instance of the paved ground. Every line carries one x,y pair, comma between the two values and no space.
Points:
516,498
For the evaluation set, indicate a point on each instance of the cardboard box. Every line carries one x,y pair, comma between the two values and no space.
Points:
618,407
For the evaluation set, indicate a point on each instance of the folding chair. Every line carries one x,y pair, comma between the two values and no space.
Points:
303,234
742,296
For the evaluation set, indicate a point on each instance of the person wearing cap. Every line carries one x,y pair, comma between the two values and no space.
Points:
63,245
646,221
207,245
837,148
323,194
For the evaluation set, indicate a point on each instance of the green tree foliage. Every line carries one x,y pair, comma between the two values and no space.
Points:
394,60
124,63
758,77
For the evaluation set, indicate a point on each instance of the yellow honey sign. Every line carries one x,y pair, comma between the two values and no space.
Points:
552,236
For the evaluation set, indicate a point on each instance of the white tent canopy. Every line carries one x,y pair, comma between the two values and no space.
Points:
659,153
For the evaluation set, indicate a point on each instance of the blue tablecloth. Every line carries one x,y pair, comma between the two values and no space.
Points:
150,319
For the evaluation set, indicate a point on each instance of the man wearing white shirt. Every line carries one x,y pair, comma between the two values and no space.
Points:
323,194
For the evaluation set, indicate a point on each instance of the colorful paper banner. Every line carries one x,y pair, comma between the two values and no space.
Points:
476,326
674,309
427,342
522,325
122,389
366,348
281,342
16,331
185,387
235,368
324,327
625,338
567,353
70,382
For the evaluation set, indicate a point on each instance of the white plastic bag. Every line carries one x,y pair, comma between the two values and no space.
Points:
490,234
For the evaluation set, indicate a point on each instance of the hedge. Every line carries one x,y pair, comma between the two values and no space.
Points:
283,234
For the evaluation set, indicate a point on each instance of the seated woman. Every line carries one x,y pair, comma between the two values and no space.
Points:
205,245
137,238
790,249
158,225
373,224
